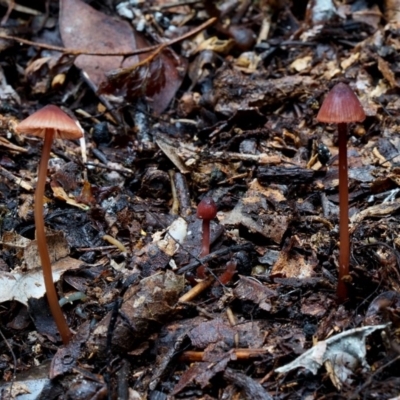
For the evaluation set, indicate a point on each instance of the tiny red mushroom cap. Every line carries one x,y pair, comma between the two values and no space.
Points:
207,209
50,118
341,105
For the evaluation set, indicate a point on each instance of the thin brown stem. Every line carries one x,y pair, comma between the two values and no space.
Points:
205,247
42,244
344,252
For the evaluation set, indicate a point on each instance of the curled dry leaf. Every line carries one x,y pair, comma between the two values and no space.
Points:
148,78
255,291
145,306
345,352
22,286
144,78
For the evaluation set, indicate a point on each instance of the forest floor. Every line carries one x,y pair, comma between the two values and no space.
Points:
179,102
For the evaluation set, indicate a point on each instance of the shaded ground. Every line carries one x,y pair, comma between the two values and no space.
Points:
232,119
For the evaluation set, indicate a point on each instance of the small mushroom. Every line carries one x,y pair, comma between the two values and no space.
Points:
206,210
341,106
49,122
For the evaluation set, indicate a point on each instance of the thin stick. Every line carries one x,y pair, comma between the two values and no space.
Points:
344,252
77,52
196,290
51,293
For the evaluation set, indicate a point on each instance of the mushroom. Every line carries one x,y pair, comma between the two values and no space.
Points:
341,106
49,122
206,210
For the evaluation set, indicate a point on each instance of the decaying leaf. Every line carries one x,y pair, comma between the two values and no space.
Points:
175,236
145,306
60,194
384,308
345,352
378,210
58,249
97,32
21,286
211,332
157,76
172,152
201,373
71,351
253,290
292,264
251,212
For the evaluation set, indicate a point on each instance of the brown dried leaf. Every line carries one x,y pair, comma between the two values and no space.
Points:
253,290
98,32
57,245
250,213
201,373
212,332
147,78
157,76
145,306
71,352
292,264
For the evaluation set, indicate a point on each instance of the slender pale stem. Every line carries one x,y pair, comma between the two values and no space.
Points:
344,251
42,244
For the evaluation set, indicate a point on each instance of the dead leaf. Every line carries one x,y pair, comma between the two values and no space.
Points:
156,76
59,193
58,249
255,291
345,351
21,286
250,211
292,264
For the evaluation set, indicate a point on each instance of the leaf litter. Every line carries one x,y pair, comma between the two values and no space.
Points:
178,103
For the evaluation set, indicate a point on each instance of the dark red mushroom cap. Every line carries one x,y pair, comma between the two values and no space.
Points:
207,209
341,105
50,119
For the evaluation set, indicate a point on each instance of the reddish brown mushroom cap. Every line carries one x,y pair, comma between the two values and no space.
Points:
50,118
206,209
341,105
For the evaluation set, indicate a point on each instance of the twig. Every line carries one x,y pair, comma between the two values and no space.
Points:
14,361
177,4
99,248
115,242
240,354
196,290
182,192
120,170
11,6
19,181
175,201
215,255
77,52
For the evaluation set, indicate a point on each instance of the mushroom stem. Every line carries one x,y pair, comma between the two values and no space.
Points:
42,244
205,245
344,251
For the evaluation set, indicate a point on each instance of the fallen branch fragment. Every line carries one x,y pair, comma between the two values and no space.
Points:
19,181
239,354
